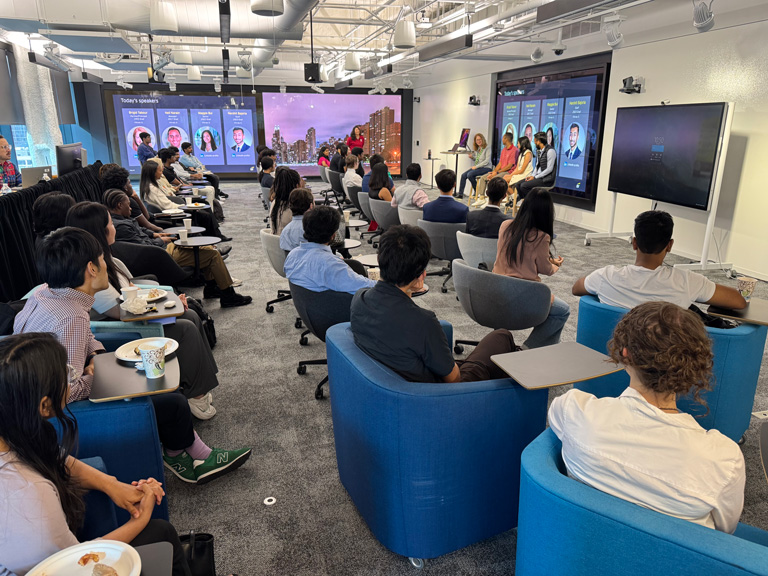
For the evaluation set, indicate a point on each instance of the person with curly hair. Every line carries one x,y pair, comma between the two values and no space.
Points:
639,446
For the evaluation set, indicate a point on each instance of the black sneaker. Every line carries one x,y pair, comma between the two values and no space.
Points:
232,300
211,292
223,195
226,250
225,238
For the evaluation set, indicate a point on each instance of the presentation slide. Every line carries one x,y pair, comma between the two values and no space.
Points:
223,131
297,126
566,111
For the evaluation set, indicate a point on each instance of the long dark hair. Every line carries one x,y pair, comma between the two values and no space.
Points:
286,180
148,171
33,366
203,145
379,177
321,154
524,144
537,213
352,133
94,218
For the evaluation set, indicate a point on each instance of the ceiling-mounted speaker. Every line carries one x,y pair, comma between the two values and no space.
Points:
312,73
352,62
162,17
268,8
193,74
405,35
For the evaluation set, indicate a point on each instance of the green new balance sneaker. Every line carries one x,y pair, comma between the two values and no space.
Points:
220,462
182,466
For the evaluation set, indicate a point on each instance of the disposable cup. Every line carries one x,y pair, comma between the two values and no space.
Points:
153,358
347,215
374,274
188,200
183,235
187,223
746,287
129,292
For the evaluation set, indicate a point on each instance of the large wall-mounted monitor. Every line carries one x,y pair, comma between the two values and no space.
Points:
667,153
566,101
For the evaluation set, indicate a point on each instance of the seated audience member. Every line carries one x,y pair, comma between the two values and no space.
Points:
351,177
154,190
648,279
115,177
286,181
300,201
377,184
10,174
145,150
71,263
390,328
196,364
218,282
373,160
313,266
338,159
444,208
410,195
324,157
174,173
639,446
523,252
267,171
507,163
41,483
267,153
49,212
546,167
485,223
358,152
184,175
260,148
192,163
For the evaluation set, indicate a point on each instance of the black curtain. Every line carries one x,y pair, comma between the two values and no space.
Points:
17,238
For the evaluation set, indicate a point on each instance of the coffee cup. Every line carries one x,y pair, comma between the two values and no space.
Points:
746,287
188,200
183,235
153,358
129,293
187,224
196,192
347,215
374,274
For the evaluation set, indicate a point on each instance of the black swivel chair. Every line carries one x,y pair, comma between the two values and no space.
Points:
337,186
319,311
144,260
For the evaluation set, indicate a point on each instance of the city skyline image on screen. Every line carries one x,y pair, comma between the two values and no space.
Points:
297,126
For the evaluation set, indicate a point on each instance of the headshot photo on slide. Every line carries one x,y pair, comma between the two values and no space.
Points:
132,137
510,128
207,139
573,141
529,131
239,139
550,129
174,136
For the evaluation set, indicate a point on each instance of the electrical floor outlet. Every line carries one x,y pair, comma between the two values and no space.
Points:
762,415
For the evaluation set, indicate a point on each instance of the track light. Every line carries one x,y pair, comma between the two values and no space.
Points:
407,83
537,55
283,89
382,90
703,17
162,61
172,85
611,26
245,59
373,90
316,88
124,85
217,84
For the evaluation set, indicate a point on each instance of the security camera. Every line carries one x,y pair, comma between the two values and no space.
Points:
275,61
632,85
559,49
474,101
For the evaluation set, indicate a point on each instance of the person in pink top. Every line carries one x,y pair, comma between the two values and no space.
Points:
523,251
324,157
355,138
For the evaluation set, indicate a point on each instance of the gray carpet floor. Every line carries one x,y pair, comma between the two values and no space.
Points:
313,528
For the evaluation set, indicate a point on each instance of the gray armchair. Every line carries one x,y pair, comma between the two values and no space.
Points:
409,216
442,235
365,208
475,250
276,256
497,301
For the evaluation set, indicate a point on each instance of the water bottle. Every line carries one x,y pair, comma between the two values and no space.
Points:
5,189
429,154
46,177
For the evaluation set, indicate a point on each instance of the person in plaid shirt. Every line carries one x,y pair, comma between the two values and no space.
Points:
11,175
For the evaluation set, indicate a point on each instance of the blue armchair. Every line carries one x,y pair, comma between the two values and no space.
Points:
738,353
100,511
566,527
430,467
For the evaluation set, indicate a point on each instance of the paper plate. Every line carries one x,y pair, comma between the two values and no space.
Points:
119,556
127,354
173,211
144,293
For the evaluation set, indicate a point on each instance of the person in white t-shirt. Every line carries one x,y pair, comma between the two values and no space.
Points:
639,446
648,280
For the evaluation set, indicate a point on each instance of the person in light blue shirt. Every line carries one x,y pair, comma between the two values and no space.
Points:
313,266
300,201
145,150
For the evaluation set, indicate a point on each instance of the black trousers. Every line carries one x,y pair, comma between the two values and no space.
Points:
356,266
525,186
214,181
163,531
174,420
478,365
196,363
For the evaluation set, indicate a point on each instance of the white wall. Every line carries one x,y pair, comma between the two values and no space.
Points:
724,64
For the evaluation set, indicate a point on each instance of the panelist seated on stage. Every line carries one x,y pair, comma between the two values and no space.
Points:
545,171
507,164
411,195
485,223
639,446
390,328
444,208
312,265
10,174
649,280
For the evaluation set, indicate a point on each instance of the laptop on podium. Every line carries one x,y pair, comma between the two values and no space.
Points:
31,176
462,140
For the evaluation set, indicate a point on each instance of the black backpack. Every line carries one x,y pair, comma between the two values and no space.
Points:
205,319
8,311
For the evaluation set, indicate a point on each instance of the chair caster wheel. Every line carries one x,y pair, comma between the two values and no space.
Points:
742,440
270,309
303,341
376,245
301,370
458,349
319,393
297,324
417,563
370,241
444,290
587,242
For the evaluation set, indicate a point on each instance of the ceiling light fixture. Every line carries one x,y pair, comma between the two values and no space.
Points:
317,89
217,84
407,82
283,89
162,61
245,59
405,35
537,55
269,8
703,17
611,26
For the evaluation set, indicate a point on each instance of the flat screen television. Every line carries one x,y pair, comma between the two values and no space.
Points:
667,153
68,158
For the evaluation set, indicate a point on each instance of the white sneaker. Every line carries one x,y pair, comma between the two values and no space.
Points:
482,201
236,282
201,408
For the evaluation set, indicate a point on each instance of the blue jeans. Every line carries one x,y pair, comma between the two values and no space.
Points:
472,175
548,332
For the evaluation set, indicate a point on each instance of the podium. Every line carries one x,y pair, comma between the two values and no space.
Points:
460,152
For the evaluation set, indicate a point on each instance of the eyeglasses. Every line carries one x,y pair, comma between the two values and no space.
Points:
6,147
72,374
